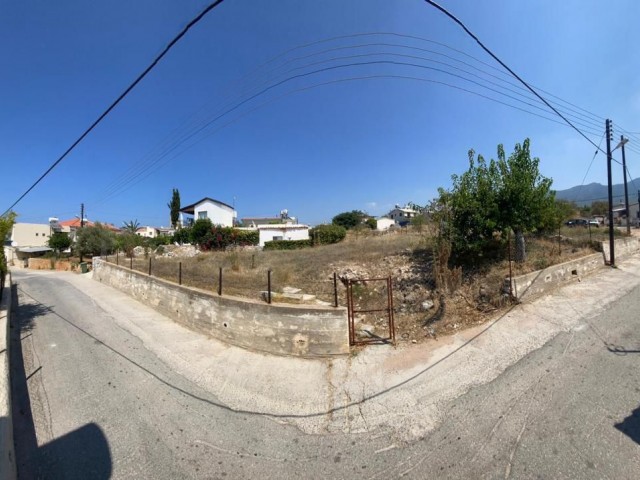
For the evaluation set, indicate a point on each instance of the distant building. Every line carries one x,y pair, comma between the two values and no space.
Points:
147,232
27,240
384,223
283,231
403,215
218,212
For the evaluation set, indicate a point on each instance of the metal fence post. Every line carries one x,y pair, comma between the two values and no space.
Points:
117,257
149,266
220,281
179,273
335,289
269,286
131,262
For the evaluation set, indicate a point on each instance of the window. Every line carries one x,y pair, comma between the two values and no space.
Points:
202,215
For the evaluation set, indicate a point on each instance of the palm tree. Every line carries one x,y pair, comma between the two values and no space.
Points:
131,226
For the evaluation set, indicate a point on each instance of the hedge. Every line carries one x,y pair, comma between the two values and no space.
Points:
287,244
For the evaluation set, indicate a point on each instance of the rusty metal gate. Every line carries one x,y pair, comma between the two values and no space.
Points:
371,297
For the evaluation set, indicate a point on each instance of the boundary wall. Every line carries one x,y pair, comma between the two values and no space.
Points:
7,453
293,330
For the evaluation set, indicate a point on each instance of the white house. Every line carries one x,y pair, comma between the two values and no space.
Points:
27,240
218,212
283,231
384,223
402,215
147,232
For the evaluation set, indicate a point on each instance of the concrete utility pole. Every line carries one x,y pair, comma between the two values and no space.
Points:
626,193
609,134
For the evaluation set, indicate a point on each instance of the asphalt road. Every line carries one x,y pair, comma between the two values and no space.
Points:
90,401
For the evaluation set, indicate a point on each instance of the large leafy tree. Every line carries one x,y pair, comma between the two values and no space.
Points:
59,241
496,196
350,219
95,240
524,196
174,207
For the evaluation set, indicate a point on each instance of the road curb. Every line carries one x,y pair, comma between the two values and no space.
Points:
7,454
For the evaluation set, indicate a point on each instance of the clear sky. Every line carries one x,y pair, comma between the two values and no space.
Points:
364,137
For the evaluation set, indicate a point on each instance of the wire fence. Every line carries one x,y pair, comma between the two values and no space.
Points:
483,282
254,283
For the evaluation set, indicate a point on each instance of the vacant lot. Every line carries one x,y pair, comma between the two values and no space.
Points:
421,310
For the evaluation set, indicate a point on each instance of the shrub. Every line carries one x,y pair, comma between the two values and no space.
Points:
182,235
219,238
327,234
287,244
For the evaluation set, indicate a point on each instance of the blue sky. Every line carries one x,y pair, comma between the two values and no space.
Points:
361,137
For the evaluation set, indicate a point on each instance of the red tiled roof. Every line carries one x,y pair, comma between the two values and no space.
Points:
75,222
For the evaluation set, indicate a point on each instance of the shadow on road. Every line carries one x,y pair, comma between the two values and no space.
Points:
630,426
80,454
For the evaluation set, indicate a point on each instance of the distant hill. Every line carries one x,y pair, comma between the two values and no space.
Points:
585,194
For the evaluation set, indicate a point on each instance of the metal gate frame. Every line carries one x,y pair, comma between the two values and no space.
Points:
351,311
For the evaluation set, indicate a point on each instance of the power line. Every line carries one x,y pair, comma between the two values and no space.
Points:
138,170
472,35
117,101
128,183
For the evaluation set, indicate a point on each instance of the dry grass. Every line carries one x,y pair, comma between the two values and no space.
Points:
405,256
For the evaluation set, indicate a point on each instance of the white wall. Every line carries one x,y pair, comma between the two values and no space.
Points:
218,214
287,232
384,223
30,234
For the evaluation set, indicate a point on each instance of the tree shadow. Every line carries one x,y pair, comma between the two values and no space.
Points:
630,426
80,454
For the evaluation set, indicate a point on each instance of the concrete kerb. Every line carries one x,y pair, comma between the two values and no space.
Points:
7,454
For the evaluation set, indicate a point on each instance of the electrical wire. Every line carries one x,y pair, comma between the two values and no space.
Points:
151,66
115,185
504,65
132,181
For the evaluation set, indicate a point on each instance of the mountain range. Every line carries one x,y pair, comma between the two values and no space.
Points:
585,194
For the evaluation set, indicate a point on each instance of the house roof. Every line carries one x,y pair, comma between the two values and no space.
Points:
75,222
34,249
190,209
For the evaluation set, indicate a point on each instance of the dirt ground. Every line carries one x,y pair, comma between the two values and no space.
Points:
421,311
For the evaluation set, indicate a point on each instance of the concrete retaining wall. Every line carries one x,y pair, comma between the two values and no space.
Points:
7,455
623,248
278,329
542,281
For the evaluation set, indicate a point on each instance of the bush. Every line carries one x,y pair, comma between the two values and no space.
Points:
219,238
287,244
327,234
95,240
182,235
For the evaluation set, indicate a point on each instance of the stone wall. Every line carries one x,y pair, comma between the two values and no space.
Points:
49,264
302,331
7,454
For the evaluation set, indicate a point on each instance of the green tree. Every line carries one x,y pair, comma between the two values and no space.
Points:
371,223
350,219
473,206
174,207
6,226
327,234
599,207
507,194
59,241
131,226
201,231
524,195
95,240
127,241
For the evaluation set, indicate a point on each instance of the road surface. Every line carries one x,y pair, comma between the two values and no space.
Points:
92,401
